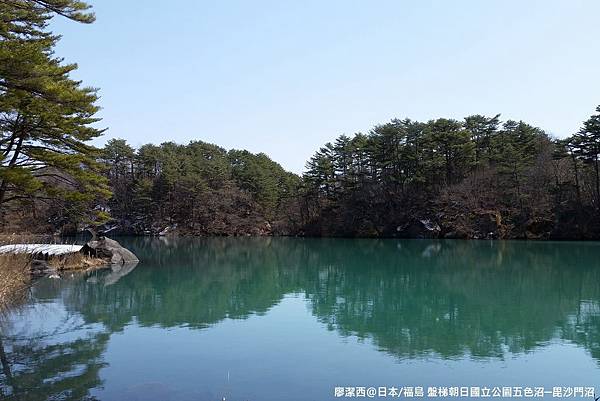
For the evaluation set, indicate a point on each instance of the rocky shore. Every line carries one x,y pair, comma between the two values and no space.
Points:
20,264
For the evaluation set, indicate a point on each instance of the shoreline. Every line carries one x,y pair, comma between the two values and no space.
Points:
26,261
550,239
18,272
54,237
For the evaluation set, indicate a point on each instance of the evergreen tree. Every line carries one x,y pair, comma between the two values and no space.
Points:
320,171
118,157
570,149
514,150
588,140
451,149
482,130
46,118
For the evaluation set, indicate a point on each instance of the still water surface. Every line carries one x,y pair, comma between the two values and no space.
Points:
290,319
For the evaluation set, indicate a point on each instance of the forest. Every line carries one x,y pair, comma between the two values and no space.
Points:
475,178
479,177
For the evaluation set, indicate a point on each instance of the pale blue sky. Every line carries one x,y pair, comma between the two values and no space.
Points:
284,77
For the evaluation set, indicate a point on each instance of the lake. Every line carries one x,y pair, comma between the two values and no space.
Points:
261,319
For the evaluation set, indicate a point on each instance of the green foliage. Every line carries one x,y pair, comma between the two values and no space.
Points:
478,177
46,118
372,184
482,131
450,149
585,146
267,181
201,187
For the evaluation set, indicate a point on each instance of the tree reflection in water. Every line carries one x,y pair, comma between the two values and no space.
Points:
413,299
46,366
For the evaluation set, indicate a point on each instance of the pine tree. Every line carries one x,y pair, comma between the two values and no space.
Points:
46,117
482,129
589,142
320,171
570,149
452,149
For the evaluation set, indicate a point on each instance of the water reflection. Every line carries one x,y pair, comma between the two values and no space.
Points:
38,367
413,299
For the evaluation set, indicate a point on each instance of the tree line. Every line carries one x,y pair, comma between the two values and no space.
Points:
475,178
479,177
197,188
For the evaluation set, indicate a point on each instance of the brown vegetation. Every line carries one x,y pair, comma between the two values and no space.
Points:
17,270
15,278
75,261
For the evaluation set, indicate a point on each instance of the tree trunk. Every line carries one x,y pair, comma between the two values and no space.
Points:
597,180
577,187
11,164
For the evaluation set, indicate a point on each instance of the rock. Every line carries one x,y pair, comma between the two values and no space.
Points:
118,272
109,250
419,228
167,230
430,225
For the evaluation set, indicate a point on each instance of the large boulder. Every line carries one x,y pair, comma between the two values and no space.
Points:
109,250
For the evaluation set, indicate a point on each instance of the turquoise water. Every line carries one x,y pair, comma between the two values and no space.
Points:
253,319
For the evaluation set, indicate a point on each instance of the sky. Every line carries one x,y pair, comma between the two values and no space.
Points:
285,77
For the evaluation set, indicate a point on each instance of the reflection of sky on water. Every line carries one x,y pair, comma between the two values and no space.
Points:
290,319
287,354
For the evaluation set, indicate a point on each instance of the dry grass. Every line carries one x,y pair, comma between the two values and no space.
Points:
16,271
75,261
15,278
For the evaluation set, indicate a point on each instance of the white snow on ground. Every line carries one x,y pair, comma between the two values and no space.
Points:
44,249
